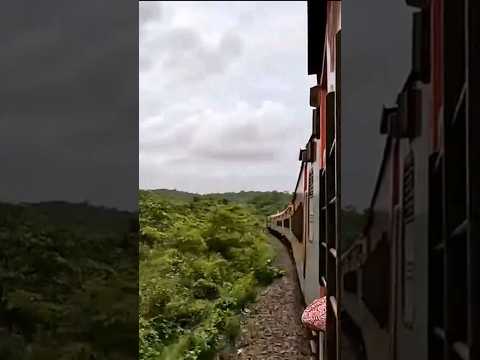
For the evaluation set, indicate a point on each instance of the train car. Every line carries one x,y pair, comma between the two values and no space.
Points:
408,287
410,280
300,224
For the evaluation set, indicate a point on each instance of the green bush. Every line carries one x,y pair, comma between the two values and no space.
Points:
243,291
266,275
204,289
202,263
232,328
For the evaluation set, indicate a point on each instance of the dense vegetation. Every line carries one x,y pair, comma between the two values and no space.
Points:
69,275
202,259
68,282
264,202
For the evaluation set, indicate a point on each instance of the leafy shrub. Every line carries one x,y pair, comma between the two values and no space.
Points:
203,264
187,312
204,289
243,291
232,327
266,275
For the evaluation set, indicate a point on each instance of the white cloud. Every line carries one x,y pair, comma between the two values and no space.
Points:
223,95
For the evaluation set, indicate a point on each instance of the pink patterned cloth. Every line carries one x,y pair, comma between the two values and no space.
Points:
315,315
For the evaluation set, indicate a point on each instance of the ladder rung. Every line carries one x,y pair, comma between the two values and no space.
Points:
439,247
461,349
333,301
324,244
324,281
460,229
333,252
332,200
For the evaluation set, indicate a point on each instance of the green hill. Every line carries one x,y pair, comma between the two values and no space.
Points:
168,194
265,202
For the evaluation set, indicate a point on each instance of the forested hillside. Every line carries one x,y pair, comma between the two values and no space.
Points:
201,262
265,202
68,282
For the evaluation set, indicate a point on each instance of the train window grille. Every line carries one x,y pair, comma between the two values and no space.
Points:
322,230
409,189
407,242
310,183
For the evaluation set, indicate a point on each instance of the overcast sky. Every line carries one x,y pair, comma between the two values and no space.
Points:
69,105
223,95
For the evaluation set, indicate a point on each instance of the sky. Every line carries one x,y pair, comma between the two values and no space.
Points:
216,100
223,92
69,113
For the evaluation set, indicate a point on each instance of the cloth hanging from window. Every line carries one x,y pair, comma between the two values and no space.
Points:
315,315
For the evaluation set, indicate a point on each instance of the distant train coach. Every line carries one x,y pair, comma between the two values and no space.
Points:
406,284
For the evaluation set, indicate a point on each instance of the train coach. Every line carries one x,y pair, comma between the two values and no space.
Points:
315,204
410,279
408,287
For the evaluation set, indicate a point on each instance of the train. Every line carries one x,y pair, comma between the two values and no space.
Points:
407,286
